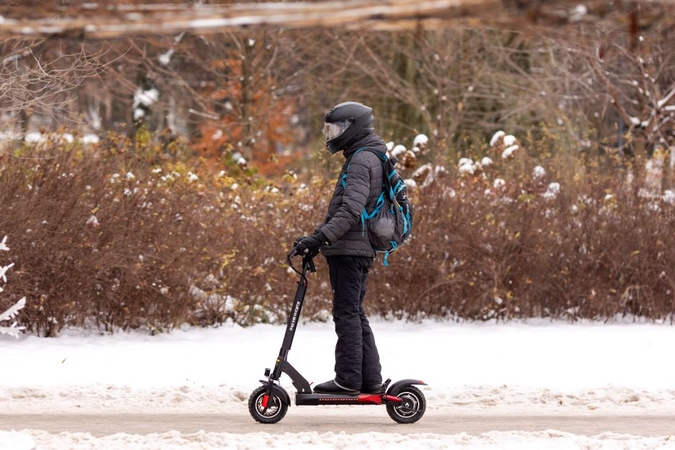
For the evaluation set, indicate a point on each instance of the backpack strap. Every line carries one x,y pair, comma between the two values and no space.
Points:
379,203
385,261
343,179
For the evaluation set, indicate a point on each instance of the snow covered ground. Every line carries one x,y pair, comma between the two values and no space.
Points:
536,367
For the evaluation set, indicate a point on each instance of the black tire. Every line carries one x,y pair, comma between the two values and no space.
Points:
411,408
275,411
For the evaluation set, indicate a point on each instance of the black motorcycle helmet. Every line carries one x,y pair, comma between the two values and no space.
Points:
346,123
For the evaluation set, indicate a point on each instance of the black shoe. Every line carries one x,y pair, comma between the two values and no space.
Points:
373,389
331,387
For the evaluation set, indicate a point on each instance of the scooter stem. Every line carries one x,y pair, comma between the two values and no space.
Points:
282,364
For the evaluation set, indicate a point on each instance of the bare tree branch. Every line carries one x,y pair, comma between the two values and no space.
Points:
101,20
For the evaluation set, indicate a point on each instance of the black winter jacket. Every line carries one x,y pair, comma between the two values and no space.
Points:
342,226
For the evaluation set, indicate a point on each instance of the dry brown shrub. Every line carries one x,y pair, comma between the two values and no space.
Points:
98,242
114,239
478,254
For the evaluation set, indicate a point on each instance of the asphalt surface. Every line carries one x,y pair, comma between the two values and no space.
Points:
350,419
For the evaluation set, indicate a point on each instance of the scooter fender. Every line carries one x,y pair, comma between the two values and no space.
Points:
396,387
279,392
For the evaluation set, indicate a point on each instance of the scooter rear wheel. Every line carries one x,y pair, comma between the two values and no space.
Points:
270,412
412,406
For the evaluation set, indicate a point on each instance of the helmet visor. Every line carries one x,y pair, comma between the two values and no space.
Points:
335,129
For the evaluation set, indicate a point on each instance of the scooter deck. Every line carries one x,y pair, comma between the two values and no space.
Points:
339,399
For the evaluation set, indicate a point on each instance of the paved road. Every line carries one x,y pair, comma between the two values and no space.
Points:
354,420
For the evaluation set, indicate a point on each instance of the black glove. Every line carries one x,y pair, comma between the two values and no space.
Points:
309,245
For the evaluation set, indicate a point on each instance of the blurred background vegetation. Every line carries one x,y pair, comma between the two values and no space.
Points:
220,133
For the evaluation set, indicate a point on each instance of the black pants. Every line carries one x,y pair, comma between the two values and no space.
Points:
357,362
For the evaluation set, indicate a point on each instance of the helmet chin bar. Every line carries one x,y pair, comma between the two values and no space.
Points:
332,149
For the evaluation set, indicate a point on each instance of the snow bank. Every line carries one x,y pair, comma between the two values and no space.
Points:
518,368
549,439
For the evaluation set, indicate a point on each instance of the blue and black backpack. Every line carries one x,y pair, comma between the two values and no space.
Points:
389,224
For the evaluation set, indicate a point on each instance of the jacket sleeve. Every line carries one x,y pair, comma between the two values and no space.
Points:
354,199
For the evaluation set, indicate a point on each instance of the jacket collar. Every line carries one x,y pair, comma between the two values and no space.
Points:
371,140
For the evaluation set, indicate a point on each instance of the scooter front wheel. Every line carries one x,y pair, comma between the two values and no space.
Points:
412,406
266,408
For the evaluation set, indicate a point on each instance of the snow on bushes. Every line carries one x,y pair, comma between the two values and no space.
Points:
121,239
13,329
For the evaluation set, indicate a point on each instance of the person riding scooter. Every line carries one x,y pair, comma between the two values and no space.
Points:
340,238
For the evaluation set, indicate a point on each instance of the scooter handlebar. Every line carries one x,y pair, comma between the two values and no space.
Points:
307,262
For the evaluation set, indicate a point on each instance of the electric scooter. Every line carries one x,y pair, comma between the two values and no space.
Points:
269,403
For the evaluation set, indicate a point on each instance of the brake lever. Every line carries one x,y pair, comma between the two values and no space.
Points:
309,262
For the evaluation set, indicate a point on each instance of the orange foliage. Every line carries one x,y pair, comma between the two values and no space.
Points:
246,118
